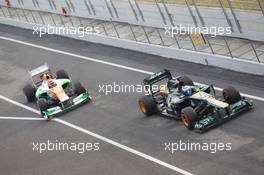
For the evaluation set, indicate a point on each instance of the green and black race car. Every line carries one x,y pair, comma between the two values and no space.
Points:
54,94
194,104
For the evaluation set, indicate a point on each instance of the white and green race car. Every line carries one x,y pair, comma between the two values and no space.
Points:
54,94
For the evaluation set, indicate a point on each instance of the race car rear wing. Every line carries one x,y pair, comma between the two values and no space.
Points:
36,74
158,76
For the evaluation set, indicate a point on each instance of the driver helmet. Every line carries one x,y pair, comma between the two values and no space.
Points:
46,77
172,84
187,90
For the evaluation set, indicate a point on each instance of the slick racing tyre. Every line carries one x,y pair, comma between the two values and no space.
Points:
189,117
231,95
43,105
78,88
62,74
186,81
29,92
147,105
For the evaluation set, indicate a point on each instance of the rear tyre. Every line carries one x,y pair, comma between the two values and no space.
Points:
29,92
231,95
43,105
186,81
147,105
78,88
62,74
189,117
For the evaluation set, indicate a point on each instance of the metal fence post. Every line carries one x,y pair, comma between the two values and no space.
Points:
252,45
192,42
92,7
3,11
140,11
109,9
161,14
145,34
162,42
87,6
203,24
62,22
25,15
51,6
9,13
260,5
53,19
234,15
132,32
79,18
168,13
133,10
34,19
198,13
228,47
178,44
43,22
71,21
208,40
191,13
72,6
104,29
226,16
115,29
17,14
115,10
54,5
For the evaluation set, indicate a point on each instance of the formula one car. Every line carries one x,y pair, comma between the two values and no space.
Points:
194,104
54,94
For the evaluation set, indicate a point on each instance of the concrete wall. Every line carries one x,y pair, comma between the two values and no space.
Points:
190,56
149,14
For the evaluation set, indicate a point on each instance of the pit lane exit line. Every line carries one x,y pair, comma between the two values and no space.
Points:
20,118
102,138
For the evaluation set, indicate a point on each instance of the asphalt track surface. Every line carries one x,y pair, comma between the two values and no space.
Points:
116,116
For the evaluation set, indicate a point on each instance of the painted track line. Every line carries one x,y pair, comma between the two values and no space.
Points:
20,118
102,138
104,62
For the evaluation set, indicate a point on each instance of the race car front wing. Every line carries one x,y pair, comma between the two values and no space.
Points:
224,115
74,103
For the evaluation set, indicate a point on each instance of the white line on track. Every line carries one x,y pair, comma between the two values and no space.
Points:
102,138
20,118
103,62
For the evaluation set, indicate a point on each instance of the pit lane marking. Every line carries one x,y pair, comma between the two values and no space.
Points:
102,138
105,62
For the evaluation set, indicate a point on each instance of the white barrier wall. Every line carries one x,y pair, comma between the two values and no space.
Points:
179,54
151,14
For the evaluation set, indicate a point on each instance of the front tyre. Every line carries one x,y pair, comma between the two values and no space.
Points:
189,117
43,105
62,74
29,92
231,95
79,89
147,105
